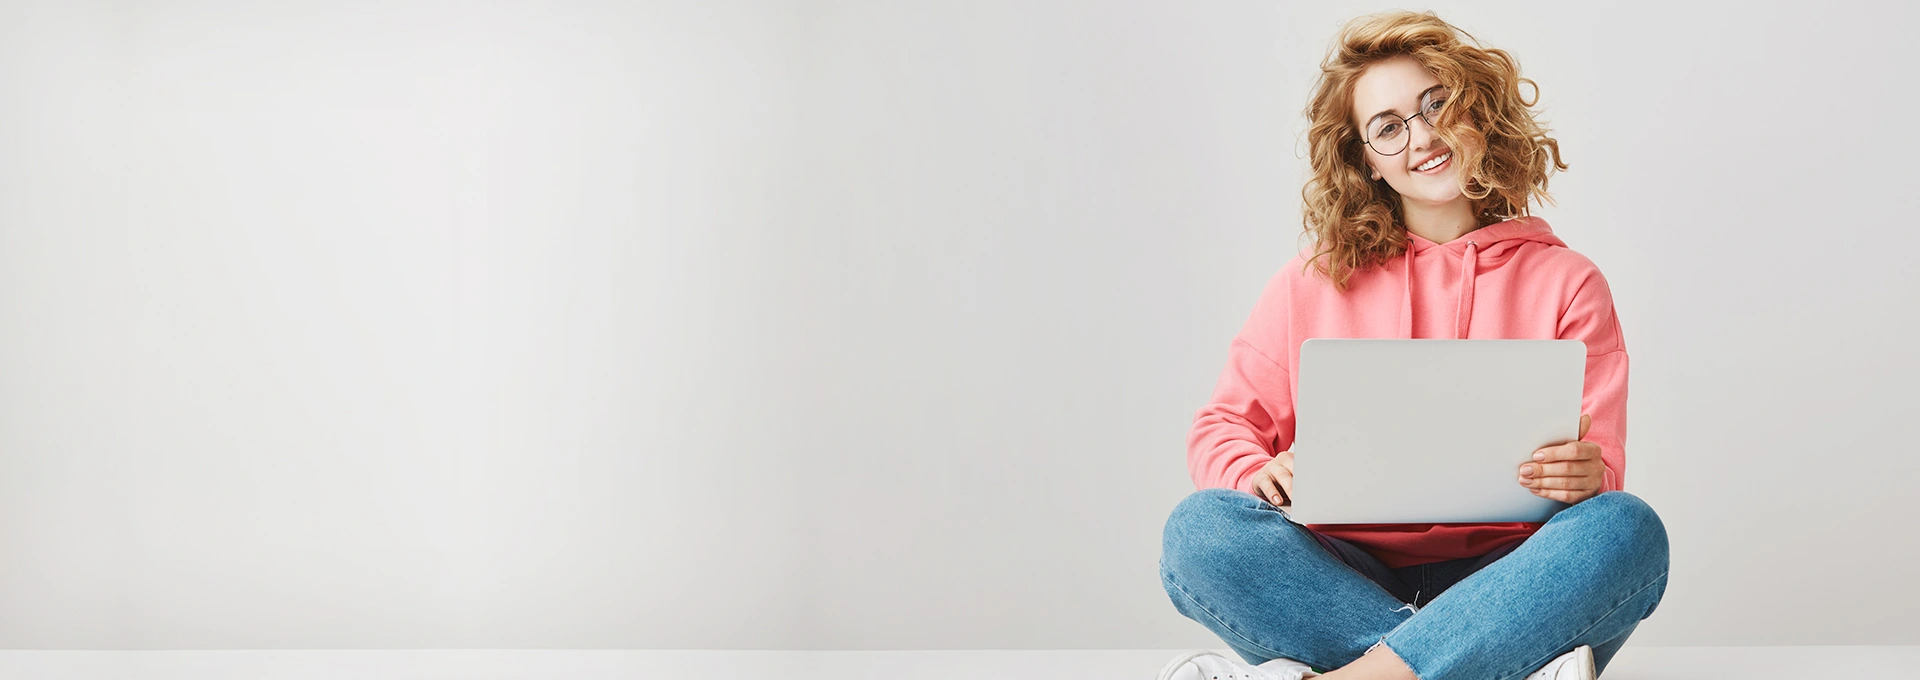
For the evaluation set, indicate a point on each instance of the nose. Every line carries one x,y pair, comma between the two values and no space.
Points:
1423,136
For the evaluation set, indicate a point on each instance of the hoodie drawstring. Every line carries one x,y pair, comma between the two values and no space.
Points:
1406,300
1462,304
1465,302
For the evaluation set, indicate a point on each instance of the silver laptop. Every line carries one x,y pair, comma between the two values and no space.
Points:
1428,430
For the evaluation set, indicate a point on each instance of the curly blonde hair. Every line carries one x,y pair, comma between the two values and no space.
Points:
1357,222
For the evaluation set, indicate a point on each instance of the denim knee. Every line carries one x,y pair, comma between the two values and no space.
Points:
1637,530
1636,523
1204,525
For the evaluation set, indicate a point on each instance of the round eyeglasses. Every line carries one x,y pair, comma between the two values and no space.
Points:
1387,135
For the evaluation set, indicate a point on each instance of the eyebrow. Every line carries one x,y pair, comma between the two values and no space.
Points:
1423,95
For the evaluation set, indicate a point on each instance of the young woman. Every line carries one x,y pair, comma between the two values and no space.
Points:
1424,161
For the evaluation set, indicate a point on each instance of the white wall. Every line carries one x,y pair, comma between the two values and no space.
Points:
848,325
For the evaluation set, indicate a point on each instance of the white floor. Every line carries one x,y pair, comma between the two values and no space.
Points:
1633,663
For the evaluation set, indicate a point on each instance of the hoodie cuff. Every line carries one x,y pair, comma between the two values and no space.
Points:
1245,481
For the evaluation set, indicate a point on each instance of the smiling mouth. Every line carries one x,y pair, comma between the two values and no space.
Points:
1435,164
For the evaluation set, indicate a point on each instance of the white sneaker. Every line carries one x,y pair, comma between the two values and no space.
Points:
1574,665
1285,665
1204,664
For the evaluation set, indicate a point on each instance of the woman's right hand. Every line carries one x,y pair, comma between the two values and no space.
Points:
1274,481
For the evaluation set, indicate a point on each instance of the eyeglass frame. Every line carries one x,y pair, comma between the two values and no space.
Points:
1425,97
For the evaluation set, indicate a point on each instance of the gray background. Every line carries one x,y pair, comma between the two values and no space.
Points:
861,325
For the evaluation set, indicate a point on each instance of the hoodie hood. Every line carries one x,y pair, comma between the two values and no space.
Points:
1492,242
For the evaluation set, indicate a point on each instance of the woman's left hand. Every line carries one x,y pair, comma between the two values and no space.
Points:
1569,473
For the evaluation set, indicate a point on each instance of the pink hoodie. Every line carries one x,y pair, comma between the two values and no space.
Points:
1513,279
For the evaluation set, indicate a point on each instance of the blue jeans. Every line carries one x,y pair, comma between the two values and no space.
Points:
1270,587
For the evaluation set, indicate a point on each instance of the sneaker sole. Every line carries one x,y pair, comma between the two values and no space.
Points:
1584,663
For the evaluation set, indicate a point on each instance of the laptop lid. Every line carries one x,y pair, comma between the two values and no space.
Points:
1429,430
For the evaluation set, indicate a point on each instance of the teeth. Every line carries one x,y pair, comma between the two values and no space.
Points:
1442,158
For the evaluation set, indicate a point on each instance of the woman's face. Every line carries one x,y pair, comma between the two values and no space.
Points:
1396,85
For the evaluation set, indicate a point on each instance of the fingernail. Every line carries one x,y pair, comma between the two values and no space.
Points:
1526,470
1539,456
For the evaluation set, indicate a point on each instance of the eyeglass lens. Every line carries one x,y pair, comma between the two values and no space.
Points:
1389,135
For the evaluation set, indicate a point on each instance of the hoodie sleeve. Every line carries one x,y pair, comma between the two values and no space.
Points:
1590,318
1250,415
